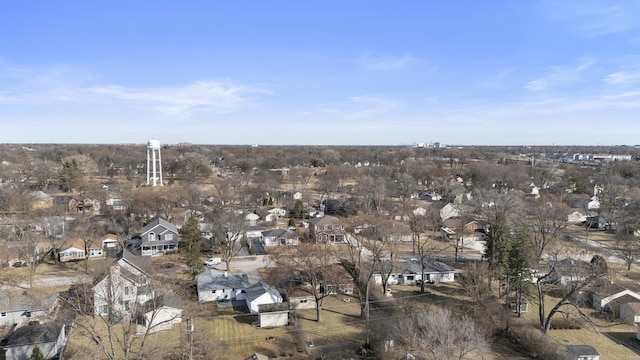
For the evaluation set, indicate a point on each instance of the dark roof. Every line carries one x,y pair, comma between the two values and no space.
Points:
276,233
33,334
582,350
211,279
159,221
431,267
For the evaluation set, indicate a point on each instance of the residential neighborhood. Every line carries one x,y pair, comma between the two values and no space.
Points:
319,259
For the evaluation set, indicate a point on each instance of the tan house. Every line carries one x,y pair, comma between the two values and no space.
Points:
74,249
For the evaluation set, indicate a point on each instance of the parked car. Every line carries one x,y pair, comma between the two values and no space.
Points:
213,261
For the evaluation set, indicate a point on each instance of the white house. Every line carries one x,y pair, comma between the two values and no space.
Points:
261,293
434,272
278,237
217,286
123,288
255,232
279,212
252,219
49,338
74,249
18,308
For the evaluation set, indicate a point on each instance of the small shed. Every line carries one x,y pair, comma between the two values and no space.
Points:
273,315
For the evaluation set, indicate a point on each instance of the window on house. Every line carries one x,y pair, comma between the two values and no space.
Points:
168,237
151,236
213,291
103,309
128,290
4,314
303,301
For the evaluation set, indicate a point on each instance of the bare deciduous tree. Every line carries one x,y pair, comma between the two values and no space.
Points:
313,264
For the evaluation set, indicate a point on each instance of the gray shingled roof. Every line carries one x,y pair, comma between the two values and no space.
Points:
212,279
18,300
260,288
33,334
159,221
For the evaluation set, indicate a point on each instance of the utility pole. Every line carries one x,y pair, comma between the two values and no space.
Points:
190,336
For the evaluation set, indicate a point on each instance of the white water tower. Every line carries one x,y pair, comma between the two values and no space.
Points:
154,163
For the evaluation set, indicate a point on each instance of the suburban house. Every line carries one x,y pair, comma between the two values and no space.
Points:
605,295
84,206
327,229
49,338
279,212
449,211
18,308
261,293
255,232
217,286
123,287
279,237
74,249
158,237
252,219
159,314
340,281
409,273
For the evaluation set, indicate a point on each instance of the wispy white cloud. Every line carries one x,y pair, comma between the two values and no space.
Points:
38,86
359,107
559,75
371,62
622,77
183,100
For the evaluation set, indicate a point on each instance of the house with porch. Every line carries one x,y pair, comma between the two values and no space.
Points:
158,237
74,249
327,229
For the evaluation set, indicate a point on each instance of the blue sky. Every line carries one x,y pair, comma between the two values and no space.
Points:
320,72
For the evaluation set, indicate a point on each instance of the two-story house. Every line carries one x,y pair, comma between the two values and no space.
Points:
158,237
327,229
123,287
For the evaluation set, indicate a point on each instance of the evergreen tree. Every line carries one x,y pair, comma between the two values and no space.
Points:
190,247
37,354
